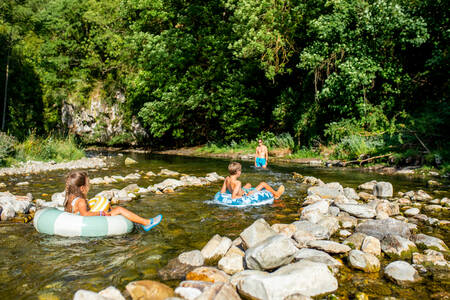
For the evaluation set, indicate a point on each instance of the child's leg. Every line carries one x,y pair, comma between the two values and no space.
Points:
276,194
129,215
247,186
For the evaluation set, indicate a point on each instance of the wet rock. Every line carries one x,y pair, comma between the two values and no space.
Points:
286,229
314,212
7,213
305,277
175,270
355,240
192,258
350,193
209,274
23,183
421,196
236,278
216,248
134,176
319,232
111,293
358,210
368,186
20,205
371,245
148,289
131,188
381,228
231,264
166,172
329,246
434,208
88,295
430,257
363,261
255,233
312,180
433,183
430,242
150,174
396,246
191,180
219,291
213,176
130,161
319,257
401,273
327,191
302,238
169,183
412,212
271,253
383,189
347,221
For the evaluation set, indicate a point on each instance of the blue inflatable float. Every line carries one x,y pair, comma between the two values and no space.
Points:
259,198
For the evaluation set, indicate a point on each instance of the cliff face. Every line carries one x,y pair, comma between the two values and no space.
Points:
100,122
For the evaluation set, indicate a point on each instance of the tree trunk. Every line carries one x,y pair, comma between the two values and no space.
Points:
5,102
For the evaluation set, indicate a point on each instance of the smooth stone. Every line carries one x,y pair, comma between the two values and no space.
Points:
174,270
366,196
380,228
412,212
430,257
271,253
421,196
150,174
329,246
433,207
111,293
383,189
256,233
187,293
430,242
131,188
311,180
23,183
169,183
368,186
302,238
231,264
286,229
350,193
88,295
314,212
347,221
311,199
319,257
208,274
358,210
401,273
388,208
326,191
364,261
344,233
355,240
371,245
319,232
305,277
166,172
192,258
219,291
2,185
7,213
216,248
149,289
234,251
200,285
396,246
130,161
331,224
236,278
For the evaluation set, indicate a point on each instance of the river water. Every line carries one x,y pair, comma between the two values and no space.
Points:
37,266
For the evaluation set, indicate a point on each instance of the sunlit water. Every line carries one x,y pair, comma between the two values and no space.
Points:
33,264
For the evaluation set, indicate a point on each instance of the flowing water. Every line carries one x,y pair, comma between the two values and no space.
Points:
34,265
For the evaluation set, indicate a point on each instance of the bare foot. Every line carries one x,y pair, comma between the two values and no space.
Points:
279,192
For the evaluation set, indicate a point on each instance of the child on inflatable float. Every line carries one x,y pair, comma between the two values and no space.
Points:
233,185
77,188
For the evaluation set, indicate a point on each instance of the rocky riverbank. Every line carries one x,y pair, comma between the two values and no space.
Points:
373,233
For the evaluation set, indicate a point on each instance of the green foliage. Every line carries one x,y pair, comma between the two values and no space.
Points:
271,140
7,144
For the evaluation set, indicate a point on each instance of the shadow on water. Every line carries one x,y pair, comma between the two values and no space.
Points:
34,264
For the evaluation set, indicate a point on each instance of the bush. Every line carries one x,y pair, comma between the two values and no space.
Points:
7,144
354,146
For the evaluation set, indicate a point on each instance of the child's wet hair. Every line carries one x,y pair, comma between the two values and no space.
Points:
74,181
234,167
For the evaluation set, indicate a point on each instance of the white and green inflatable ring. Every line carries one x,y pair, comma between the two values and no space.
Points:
58,222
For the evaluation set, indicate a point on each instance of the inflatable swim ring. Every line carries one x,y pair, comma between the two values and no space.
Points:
58,222
99,203
259,198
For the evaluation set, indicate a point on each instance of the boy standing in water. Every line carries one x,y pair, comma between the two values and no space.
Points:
262,156
233,185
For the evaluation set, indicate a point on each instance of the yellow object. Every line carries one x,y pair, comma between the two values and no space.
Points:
99,203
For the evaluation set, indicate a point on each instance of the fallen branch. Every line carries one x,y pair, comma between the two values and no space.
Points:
365,160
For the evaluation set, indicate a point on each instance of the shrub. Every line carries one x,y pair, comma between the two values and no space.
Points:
7,144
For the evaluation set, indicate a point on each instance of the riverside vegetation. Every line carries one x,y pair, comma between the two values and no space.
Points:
365,78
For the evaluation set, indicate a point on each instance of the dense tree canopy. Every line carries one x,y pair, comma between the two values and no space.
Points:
223,70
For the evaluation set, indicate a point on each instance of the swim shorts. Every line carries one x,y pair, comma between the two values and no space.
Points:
260,162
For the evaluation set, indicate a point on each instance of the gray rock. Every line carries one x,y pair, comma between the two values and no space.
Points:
363,261
371,245
286,229
358,210
319,232
314,212
216,248
350,193
319,257
271,253
401,273
175,270
381,228
368,186
333,211
389,208
88,295
329,246
396,246
430,242
326,191
231,264
330,223
421,196
383,189
430,257
192,258
238,277
344,233
169,183
412,212
347,221
7,213
187,293
355,240
303,238
219,290
111,293
305,277
21,206
256,233
166,172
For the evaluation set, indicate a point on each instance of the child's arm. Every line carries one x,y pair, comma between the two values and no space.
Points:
224,187
82,208
236,190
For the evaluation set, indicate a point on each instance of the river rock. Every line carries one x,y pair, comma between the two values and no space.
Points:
256,233
7,213
196,284
219,291
2,185
20,205
234,251
344,233
166,172
421,196
88,295
388,208
213,177
312,180
236,278
329,246
311,199
304,277
277,250
412,212
192,258
216,248
175,270
131,188
333,211
132,176
366,196
364,261
150,174
430,242
401,273
358,210
355,240
368,186
396,246
430,257
209,274
319,257
149,289
331,224
350,193
371,245
187,293
380,228
169,183
433,207
383,189
130,161
111,293
314,212
231,264
302,238
327,191
286,229
347,221
318,231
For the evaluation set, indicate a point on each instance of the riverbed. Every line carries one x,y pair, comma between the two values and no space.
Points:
34,265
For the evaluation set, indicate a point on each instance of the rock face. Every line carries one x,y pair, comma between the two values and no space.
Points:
148,289
255,233
305,278
401,273
381,228
423,240
397,247
364,261
216,248
271,253
383,189
358,210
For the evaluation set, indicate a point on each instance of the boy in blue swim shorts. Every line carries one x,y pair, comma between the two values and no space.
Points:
261,156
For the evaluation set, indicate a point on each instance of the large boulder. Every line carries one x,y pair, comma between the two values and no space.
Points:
305,278
329,246
271,253
148,289
216,248
381,228
401,273
363,261
319,257
358,210
396,246
383,189
430,242
256,233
